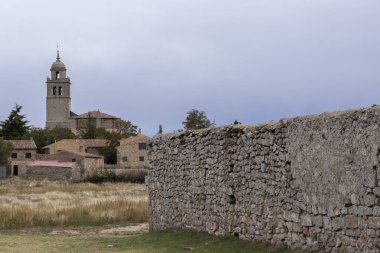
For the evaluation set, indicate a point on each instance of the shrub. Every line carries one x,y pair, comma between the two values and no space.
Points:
127,176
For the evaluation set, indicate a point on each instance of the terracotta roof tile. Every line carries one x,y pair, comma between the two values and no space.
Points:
52,164
132,139
95,143
96,114
83,154
23,144
89,143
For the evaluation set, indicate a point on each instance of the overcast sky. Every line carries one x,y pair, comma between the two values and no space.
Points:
151,61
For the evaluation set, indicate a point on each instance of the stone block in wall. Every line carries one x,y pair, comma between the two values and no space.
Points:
317,221
306,220
337,223
354,199
373,233
369,200
376,191
364,211
297,227
374,222
370,179
352,232
351,221
327,223
376,210
362,222
331,211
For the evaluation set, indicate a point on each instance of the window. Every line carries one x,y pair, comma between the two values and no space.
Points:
57,75
60,91
142,145
28,155
141,158
54,90
125,159
15,170
73,160
14,155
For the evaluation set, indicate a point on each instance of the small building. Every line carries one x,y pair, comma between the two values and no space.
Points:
53,170
87,163
24,152
97,119
132,153
92,146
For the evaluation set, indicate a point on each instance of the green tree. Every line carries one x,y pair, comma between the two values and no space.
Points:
88,131
125,128
44,137
110,152
197,120
15,127
236,122
5,151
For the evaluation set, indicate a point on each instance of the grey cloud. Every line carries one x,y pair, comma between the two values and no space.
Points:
152,61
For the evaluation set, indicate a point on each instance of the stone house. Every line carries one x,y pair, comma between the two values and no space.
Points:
24,152
97,119
87,163
53,170
92,146
132,153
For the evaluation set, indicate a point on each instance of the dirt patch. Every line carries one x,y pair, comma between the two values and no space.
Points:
140,228
117,230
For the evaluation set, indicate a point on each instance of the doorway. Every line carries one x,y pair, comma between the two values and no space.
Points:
15,170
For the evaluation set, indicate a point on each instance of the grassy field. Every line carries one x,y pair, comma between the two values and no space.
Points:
30,204
153,242
62,217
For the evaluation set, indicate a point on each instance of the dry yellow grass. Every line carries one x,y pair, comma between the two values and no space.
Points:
63,204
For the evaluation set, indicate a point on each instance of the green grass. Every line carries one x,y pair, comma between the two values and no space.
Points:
157,242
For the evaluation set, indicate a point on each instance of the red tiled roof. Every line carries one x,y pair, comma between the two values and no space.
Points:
96,114
23,144
83,154
52,164
95,143
89,143
132,139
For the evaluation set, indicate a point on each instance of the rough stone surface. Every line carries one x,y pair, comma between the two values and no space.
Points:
309,182
53,173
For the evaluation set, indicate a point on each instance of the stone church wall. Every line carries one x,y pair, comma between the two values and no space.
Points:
309,182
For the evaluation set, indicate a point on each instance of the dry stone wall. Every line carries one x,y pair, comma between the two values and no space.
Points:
310,182
52,173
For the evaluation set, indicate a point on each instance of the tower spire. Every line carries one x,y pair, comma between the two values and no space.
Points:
58,58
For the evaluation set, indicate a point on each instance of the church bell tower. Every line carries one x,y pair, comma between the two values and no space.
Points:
58,98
